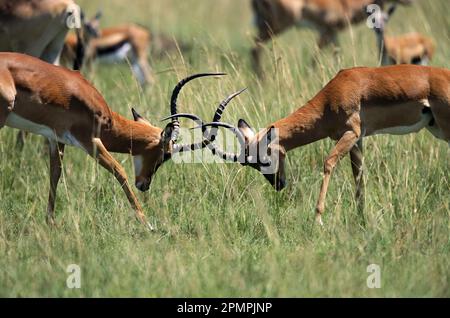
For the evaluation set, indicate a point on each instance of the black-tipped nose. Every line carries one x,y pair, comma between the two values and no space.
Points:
143,186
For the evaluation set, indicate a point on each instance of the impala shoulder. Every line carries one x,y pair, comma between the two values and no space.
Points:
349,76
91,99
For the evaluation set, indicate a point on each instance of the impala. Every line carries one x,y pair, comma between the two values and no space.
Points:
272,17
410,48
38,27
356,103
118,44
61,105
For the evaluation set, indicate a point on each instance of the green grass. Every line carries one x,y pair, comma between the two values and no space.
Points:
222,230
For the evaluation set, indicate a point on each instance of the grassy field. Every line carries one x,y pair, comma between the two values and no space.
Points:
222,230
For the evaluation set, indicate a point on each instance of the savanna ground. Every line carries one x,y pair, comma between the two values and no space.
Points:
222,230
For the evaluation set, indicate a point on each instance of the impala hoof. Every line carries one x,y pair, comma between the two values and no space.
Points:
319,220
51,222
150,227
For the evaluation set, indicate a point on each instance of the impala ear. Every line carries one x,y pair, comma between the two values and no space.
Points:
137,117
391,9
246,130
98,15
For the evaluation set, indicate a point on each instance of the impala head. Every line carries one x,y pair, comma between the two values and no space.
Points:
264,153
153,151
159,144
382,17
92,26
261,151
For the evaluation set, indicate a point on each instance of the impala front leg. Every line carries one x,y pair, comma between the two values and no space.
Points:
20,139
109,163
146,70
342,147
56,151
356,157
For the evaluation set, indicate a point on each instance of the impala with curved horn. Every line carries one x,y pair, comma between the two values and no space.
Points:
356,103
61,105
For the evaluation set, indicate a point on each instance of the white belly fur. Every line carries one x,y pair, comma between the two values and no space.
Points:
15,121
119,55
403,130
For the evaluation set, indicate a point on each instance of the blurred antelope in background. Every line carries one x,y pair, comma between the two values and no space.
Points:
410,48
37,27
123,43
62,106
356,103
328,17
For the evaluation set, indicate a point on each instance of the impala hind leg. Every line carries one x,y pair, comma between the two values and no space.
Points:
56,151
343,146
356,157
7,96
147,71
4,112
441,116
142,70
109,163
328,38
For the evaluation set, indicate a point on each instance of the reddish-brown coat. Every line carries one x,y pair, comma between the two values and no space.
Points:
68,105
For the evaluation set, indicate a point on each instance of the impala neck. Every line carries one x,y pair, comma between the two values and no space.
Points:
129,136
304,126
382,51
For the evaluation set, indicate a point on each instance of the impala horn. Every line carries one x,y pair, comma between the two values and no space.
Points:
229,156
173,101
209,137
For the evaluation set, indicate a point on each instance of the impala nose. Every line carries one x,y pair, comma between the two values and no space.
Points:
143,185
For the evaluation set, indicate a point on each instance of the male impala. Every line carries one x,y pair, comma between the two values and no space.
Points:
118,44
357,103
272,17
410,48
61,105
